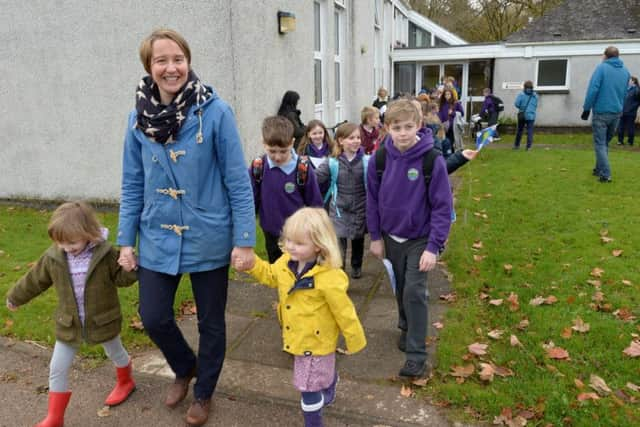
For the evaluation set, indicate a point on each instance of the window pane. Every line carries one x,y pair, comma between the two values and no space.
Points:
418,37
552,72
430,76
455,71
404,78
440,43
317,78
337,33
316,27
480,73
337,76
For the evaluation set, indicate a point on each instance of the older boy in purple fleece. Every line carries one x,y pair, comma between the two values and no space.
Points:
410,223
278,195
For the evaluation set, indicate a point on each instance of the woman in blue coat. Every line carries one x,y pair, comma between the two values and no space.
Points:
527,104
629,112
187,198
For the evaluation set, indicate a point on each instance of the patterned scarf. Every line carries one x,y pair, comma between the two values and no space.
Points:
161,123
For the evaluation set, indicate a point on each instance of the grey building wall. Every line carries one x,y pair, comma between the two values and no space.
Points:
70,70
554,109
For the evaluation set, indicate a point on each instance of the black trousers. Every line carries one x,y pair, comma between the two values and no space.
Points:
157,293
271,244
357,251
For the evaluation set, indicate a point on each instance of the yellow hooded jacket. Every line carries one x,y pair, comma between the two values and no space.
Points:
313,314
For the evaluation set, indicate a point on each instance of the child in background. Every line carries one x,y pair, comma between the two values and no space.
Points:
88,310
409,222
313,308
449,106
316,141
282,182
346,174
369,128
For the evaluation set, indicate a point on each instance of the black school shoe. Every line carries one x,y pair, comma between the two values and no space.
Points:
356,273
605,179
412,369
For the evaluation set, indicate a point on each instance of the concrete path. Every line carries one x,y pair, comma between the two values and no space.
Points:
255,386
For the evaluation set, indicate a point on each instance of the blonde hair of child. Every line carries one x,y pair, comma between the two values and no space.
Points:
401,109
368,112
343,131
74,221
305,140
314,223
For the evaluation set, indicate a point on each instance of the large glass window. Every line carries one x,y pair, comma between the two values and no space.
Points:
430,76
480,76
418,37
404,78
440,43
317,78
552,73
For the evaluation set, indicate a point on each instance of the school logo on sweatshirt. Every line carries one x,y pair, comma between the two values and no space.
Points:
412,174
289,187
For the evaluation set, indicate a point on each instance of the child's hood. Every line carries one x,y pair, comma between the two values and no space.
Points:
424,144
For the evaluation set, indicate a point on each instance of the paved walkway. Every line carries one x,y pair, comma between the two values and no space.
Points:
255,386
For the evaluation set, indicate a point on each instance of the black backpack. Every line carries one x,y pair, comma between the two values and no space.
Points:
302,172
498,103
428,160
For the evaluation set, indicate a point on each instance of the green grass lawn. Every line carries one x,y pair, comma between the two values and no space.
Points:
542,213
23,238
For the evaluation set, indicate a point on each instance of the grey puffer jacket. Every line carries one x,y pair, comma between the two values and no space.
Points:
349,212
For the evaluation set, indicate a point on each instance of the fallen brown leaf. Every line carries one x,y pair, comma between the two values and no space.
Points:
633,350
421,382
524,324
406,391
508,268
136,324
451,297
538,300
495,302
566,333
597,272
632,386
462,371
486,372
624,314
626,282
605,239
617,252
514,341
104,412
587,396
514,305
599,385
598,296
438,325
477,245
550,300
478,258
501,371
578,383
580,326
558,353
478,349
496,334
595,282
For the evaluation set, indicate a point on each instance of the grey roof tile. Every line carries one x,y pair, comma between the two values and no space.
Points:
576,20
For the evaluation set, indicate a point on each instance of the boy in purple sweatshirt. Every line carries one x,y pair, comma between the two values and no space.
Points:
410,223
284,185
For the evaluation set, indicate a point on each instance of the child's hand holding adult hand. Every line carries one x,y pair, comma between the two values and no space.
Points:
427,261
11,306
243,259
377,248
127,258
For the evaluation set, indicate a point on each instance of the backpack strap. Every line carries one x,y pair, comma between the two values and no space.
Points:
381,158
334,166
428,160
302,173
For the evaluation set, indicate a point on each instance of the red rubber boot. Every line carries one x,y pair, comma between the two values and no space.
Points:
124,386
58,402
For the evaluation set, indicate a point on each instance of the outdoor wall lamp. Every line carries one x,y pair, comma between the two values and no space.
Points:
286,22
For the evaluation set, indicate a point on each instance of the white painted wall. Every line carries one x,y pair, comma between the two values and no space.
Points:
70,70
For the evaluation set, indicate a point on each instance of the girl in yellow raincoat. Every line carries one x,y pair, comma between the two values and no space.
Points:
313,305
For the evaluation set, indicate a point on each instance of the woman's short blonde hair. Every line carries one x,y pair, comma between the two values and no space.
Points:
314,223
146,47
74,221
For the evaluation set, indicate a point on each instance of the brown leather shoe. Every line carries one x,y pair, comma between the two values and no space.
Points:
198,412
178,390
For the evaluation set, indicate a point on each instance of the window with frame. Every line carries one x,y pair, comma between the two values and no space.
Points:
552,74
317,59
418,37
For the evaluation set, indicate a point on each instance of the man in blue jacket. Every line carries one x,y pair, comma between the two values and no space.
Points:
605,95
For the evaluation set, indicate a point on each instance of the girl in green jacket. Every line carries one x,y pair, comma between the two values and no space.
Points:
83,268
313,308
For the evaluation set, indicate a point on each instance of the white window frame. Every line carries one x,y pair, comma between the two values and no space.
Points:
377,14
338,59
564,87
318,55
